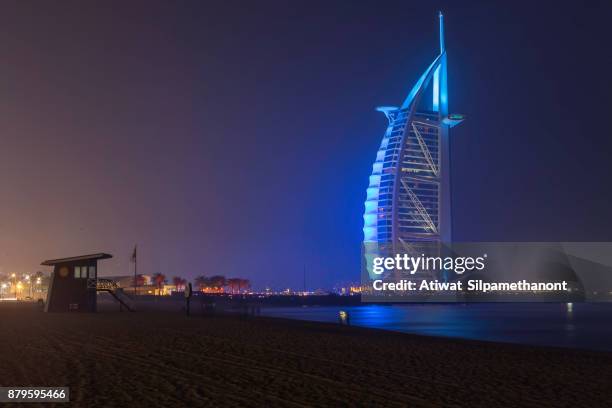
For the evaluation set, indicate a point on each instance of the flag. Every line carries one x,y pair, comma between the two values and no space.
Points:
133,259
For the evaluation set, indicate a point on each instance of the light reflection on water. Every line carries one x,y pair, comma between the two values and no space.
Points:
581,325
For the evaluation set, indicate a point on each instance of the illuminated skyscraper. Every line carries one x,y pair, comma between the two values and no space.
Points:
409,197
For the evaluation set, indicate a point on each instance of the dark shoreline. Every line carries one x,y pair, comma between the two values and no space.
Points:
374,330
552,332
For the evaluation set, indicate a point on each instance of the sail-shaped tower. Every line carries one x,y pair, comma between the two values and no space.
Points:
409,196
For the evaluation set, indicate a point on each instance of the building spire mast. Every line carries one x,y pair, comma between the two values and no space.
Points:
441,16
436,79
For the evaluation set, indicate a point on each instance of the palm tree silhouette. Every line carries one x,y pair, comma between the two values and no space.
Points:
217,282
233,283
243,283
201,282
179,282
159,279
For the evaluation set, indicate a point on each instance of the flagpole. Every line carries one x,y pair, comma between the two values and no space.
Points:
135,269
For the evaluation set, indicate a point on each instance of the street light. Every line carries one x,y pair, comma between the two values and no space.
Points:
27,278
38,282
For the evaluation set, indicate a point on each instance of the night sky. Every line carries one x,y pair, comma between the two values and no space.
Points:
237,138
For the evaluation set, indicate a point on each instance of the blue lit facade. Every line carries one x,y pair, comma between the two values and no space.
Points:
408,197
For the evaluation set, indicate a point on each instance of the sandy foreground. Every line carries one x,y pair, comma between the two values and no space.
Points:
166,359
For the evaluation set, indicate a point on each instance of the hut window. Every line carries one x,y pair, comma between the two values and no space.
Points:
81,271
92,272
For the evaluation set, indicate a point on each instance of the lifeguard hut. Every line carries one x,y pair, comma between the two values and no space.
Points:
73,283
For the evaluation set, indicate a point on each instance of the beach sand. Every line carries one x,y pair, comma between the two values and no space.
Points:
166,359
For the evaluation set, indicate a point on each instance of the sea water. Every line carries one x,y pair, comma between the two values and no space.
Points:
577,325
